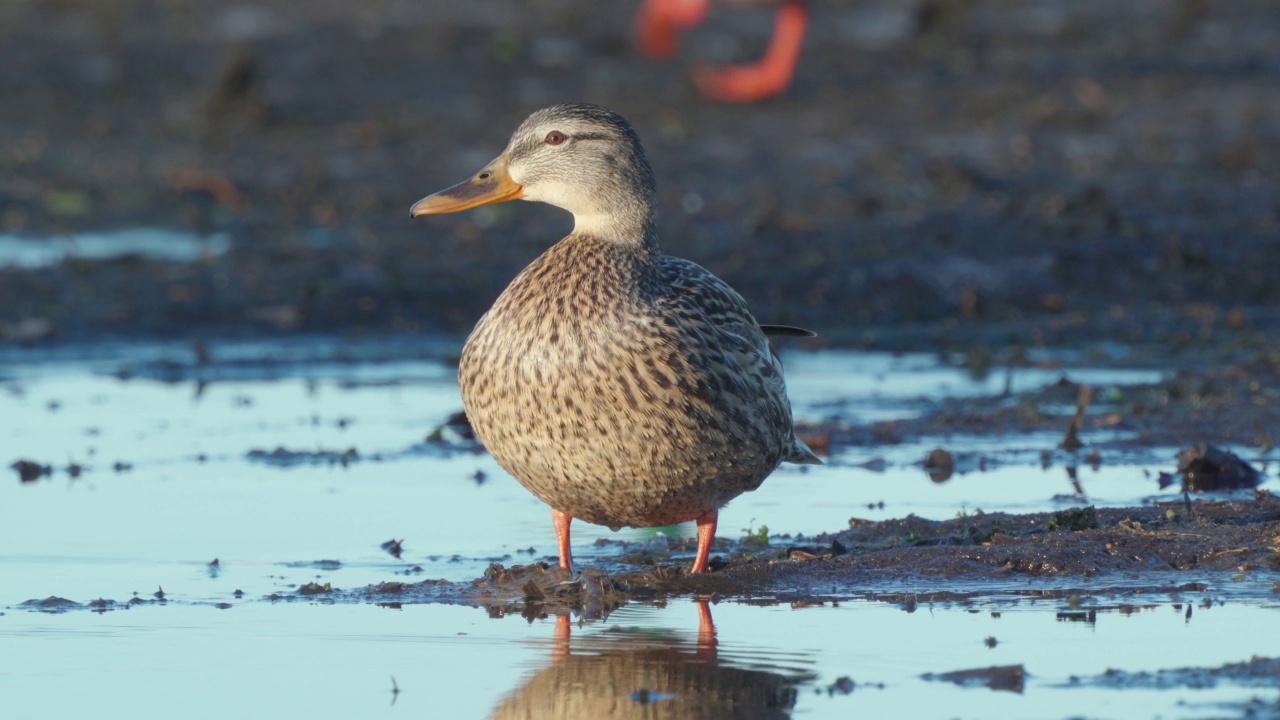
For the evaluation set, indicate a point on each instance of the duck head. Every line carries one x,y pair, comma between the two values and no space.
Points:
579,157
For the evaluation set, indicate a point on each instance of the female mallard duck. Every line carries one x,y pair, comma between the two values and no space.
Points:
621,386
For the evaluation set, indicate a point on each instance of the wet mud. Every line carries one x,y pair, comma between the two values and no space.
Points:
1256,672
1262,673
940,173
1206,550
1211,397
1141,548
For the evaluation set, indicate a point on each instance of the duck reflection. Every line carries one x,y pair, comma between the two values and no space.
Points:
656,675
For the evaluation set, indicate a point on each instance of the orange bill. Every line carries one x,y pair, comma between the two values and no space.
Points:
493,184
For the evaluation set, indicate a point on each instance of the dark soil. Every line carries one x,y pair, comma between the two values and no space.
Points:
1198,548
940,173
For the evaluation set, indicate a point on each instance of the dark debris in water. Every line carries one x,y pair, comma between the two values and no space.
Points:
52,603
436,445
394,547
30,470
315,588
940,465
285,458
1206,467
999,677
317,564
1256,672
458,425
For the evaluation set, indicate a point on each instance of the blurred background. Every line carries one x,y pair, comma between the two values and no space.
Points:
1036,171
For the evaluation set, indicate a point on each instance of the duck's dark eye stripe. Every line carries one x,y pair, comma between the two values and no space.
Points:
591,136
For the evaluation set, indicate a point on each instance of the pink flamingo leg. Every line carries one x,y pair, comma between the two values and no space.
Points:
658,21
772,74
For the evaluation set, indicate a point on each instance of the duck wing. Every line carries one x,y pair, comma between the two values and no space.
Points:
733,345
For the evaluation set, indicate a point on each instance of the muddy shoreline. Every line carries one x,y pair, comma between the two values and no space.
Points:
1128,551
1222,534
1204,550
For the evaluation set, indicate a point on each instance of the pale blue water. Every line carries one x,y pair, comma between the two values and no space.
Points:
192,495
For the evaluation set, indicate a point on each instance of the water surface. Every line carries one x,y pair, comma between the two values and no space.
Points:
169,481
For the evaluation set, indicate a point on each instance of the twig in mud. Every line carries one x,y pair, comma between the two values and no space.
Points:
1229,552
1072,440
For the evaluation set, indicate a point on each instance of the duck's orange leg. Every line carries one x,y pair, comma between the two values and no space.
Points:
772,74
561,522
658,21
706,536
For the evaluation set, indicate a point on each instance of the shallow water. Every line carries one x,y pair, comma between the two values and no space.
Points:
290,660
188,491
150,243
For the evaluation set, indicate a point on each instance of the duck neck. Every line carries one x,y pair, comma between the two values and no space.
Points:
632,230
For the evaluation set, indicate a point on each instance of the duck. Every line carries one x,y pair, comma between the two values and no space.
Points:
621,386
658,22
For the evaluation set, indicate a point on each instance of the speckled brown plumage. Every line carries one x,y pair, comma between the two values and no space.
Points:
620,385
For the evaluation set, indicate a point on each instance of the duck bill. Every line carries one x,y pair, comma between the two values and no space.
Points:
493,184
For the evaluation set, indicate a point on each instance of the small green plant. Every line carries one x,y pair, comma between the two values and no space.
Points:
912,537
1085,518
758,537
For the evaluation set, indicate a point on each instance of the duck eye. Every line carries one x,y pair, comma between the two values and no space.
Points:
555,137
